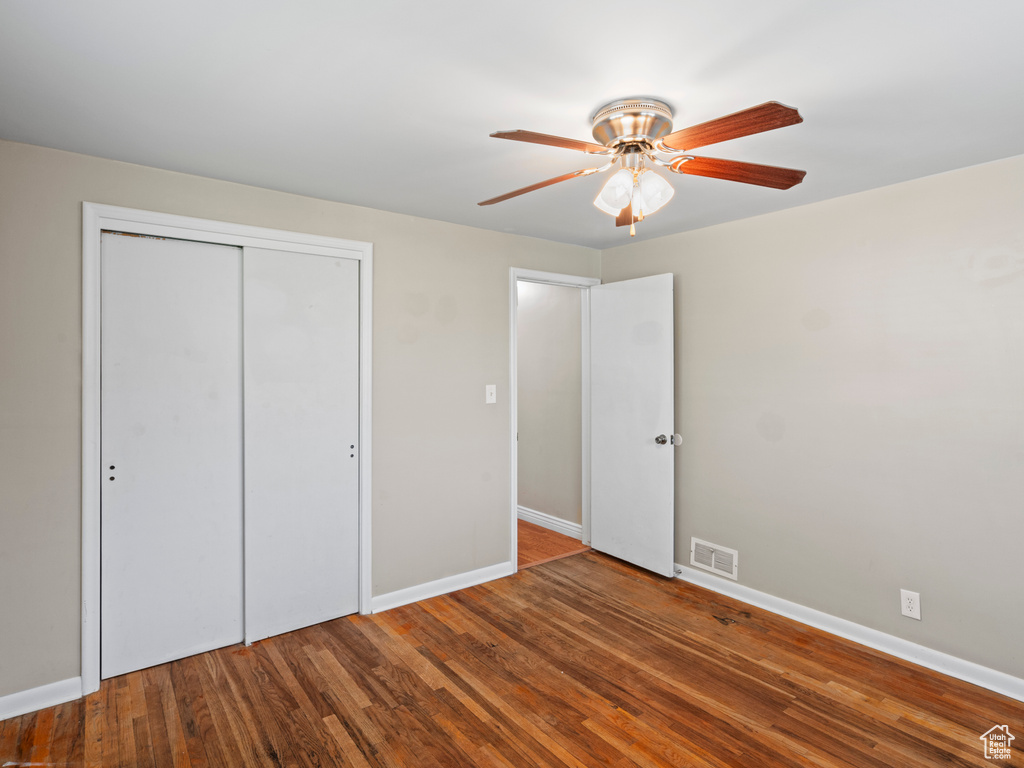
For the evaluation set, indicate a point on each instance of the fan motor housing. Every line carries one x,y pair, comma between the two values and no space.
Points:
629,121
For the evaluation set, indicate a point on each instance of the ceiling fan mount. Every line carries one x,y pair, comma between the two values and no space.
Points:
628,121
637,131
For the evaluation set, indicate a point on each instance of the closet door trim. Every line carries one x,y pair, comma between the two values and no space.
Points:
98,218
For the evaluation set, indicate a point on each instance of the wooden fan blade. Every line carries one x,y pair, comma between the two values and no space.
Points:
539,185
766,117
625,217
552,141
733,170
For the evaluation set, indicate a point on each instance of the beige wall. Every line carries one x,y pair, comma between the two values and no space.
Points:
850,391
549,408
440,460
850,379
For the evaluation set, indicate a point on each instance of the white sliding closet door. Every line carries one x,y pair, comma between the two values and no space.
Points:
301,333
171,416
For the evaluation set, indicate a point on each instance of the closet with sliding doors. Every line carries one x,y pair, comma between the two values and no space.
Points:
229,448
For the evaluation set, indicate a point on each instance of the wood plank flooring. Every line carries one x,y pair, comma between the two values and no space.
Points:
583,661
540,545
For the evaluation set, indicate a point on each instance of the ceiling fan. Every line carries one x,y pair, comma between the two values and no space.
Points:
638,131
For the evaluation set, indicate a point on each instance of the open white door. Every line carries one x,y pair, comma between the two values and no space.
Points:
632,422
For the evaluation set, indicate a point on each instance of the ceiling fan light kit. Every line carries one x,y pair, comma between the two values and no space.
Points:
637,131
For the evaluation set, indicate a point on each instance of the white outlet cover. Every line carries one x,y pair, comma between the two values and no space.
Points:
910,604
491,393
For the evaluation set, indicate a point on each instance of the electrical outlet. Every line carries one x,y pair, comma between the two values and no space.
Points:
910,604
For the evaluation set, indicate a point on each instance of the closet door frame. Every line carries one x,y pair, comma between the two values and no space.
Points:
97,218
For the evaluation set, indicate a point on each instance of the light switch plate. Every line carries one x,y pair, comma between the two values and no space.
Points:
491,393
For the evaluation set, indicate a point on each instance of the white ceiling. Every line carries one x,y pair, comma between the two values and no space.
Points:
389,104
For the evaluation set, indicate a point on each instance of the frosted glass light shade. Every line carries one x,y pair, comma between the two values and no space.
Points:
654,192
603,206
616,193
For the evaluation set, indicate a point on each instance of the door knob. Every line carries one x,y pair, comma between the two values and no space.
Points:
676,439
661,440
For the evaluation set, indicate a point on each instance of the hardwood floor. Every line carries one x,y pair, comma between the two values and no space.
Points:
539,545
580,662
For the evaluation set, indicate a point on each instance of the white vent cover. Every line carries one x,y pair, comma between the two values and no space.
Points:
711,557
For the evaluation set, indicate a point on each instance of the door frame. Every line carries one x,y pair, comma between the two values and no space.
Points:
95,219
571,281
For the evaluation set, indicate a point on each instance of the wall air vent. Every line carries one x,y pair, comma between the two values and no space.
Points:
711,557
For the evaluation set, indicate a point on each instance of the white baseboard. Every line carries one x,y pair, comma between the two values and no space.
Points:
550,522
991,679
441,586
49,695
